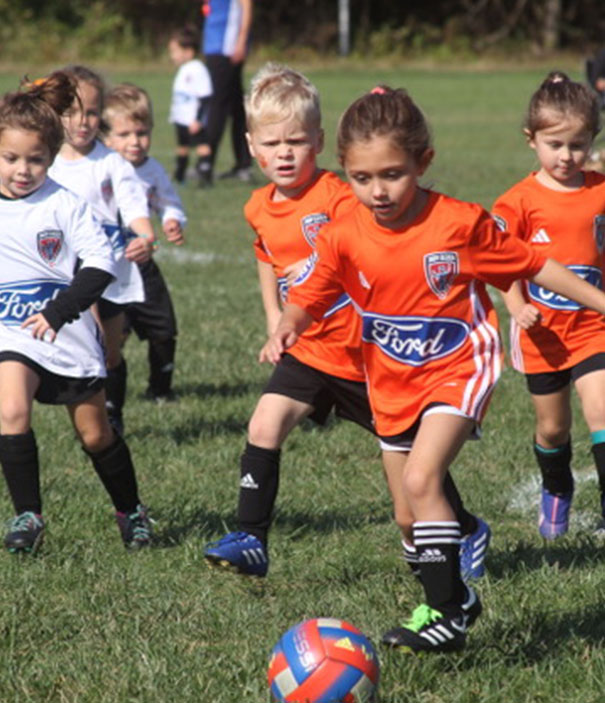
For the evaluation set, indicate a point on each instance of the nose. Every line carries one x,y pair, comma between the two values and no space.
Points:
285,151
378,189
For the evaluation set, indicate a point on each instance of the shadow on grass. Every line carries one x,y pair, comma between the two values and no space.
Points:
528,557
223,390
191,430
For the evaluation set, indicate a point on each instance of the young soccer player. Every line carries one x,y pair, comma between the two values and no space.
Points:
128,122
415,263
49,348
324,369
559,211
191,93
109,184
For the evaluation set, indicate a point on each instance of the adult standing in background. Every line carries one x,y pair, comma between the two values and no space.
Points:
225,45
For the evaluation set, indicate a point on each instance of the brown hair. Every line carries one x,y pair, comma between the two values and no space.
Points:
187,37
38,107
384,112
82,74
129,100
559,94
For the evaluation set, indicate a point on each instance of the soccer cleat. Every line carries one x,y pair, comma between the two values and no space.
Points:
240,552
26,532
160,397
473,549
428,630
471,606
135,528
554,514
116,421
241,174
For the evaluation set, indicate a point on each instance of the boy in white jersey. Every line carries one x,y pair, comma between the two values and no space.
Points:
191,93
128,121
49,347
109,184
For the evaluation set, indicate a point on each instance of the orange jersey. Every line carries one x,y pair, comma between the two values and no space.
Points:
568,227
430,332
286,231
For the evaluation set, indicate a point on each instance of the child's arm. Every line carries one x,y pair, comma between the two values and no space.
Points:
561,280
269,291
140,249
293,322
525,314
169,208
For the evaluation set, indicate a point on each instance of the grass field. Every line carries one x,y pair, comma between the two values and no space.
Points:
86,622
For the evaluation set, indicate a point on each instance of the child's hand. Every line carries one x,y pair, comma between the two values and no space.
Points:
195,127
139,250
527,316
173,232
39,327
292,272
276,345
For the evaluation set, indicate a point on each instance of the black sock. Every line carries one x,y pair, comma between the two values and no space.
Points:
468,522
259,483
203,165
19,459
438,546
115,469
410,556
181,168
555,466
598,453
161,365
115,388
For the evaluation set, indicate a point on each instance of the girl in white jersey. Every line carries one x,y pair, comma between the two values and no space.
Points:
103,178
49,346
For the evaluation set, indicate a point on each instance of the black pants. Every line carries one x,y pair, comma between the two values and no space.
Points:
227,102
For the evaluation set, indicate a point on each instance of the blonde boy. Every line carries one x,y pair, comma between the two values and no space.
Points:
128,122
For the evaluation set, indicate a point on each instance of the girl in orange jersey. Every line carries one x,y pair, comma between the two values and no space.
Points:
416,263
559,211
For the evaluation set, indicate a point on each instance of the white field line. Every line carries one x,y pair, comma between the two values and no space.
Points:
185,256
526,498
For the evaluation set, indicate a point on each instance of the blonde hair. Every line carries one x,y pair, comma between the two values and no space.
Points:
130,101
278,93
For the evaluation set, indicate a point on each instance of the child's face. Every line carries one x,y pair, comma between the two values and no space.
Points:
563,148
130,138
81,122
286,152
24,160
384,178
179,54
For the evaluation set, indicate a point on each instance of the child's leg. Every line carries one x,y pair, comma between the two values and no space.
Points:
204,164
18,450
117,371
591,389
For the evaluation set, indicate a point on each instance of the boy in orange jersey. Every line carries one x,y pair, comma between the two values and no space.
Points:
324,369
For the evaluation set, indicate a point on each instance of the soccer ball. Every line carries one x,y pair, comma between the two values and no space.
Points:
323,660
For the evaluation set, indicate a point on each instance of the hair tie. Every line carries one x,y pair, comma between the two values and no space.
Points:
378,90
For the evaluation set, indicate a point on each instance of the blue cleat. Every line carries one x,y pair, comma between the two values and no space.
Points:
240,552
473,549
554,514
25,535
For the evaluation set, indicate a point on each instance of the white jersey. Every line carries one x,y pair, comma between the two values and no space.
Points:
192,82
110,186
162,198
42,236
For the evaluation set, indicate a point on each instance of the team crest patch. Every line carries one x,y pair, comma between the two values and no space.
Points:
107,190
440,269
599,231
311,224
50,242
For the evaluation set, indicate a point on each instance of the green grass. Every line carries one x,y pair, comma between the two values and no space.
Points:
86,622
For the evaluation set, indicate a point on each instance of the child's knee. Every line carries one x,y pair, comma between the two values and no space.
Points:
262,432
552,432
15,415
97,438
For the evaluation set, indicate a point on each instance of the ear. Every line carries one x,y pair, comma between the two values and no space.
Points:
320,142
529,138
425,160
250,145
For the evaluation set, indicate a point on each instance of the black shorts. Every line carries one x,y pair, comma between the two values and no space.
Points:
323,391
553,381
185,138
154,319
107,309
55,389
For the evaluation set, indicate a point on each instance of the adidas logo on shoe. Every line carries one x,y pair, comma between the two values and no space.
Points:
248,482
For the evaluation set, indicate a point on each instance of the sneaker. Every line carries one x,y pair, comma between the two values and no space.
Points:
25,533
554,514
428,630
240,552
473,549
241,174
135,528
